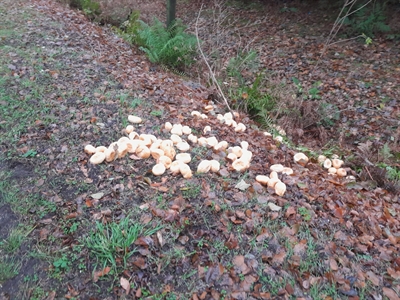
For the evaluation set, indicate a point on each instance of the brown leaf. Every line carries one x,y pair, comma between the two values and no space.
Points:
232,242
248,282
390,294
125,285
265,295
265,234
238,261
339,212
240,265
144,241
160,238
146,218
373,277
289,289
395,274
340,235
88,202
101,273
43,234
140,263
40,182
333,264
71,216
51,295
300,248
279,258
290,212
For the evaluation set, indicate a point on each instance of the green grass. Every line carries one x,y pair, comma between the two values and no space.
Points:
9,267
108,242
26,110
15,239
157,113
135,103
191,191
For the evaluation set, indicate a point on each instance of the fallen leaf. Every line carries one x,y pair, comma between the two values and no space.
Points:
51,295
390,294
263,199
160,238
101,273
247,283
278,258
242,185
301,185
373,277
291,211
274,207
125,285
140,262
97,196
333,264
395,274
39,182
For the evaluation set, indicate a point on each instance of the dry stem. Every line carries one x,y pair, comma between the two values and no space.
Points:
208,66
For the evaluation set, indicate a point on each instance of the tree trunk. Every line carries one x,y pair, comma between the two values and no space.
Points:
171,10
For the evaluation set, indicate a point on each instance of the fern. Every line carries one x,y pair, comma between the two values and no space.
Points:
328,113
90,7
172,47
369,20
242,61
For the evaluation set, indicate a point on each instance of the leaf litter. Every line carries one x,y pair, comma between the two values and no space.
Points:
216,241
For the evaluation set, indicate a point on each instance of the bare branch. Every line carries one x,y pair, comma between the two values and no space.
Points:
208,66
338,25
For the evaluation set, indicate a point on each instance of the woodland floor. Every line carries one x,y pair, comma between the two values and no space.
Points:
66,82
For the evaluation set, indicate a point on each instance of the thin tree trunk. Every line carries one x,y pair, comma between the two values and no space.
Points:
171,10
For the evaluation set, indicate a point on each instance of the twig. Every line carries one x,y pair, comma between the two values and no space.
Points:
346,40
338,25
205,60
366,168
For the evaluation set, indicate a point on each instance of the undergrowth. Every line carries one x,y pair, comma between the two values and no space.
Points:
91,8
171,46
369,19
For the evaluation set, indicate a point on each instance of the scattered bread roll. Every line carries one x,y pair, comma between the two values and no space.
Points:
337,163
168,126
97,158
272,182
277,168
183,146
262,179
134,119
183,157
89,149
327,163
280,188
185,171
341,172
204,166
158,169
165,160
300,158
215,166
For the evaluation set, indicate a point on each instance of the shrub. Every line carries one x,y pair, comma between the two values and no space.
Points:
130,28
91,8
169,46
239,64
369,19
249,88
